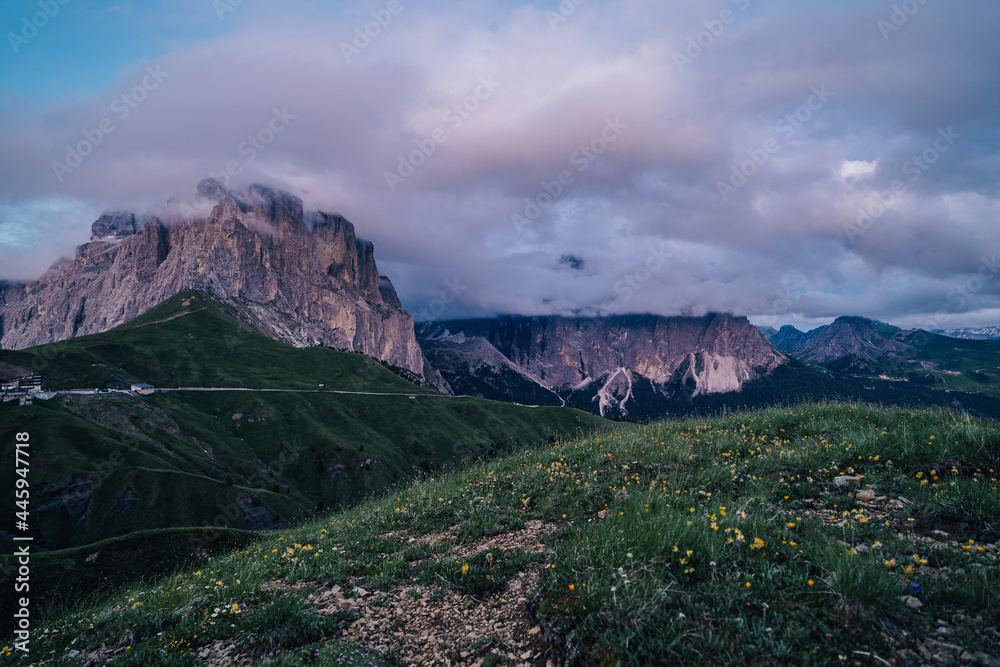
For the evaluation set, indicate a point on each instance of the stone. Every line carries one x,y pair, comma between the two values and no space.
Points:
258,517
844,481
912,602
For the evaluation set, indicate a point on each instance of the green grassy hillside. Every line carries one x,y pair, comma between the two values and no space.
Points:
724,541
191,340
958,364
194,459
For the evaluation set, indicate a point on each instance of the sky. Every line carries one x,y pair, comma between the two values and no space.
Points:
787,161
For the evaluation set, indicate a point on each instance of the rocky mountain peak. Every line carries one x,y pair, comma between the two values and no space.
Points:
227,210
788,338
254,251
113,225
853,343
866,327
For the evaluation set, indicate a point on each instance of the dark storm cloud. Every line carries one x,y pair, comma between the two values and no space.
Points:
606,134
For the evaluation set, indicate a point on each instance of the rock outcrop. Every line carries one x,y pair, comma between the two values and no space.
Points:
114,226
305,279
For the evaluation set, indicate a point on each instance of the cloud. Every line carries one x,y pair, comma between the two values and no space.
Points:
476,112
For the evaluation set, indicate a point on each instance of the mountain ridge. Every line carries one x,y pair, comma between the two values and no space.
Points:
852,343
598,361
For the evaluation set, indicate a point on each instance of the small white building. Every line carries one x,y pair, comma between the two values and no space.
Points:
144,389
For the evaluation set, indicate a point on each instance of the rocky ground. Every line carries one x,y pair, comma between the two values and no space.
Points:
433,626
426,625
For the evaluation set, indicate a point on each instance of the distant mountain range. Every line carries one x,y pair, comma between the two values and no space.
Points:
290,379
617,366
978,333
858,346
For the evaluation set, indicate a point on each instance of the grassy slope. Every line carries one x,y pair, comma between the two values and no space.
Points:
718,541
77,576
956,364
962,358
189,461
